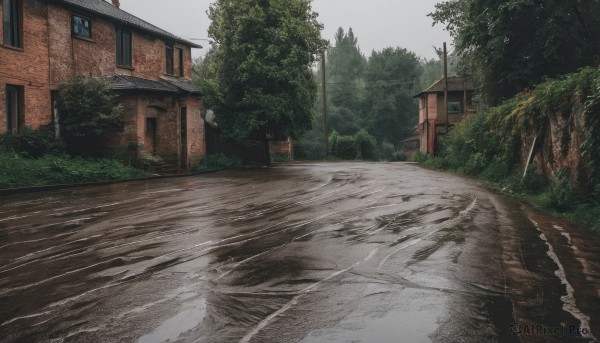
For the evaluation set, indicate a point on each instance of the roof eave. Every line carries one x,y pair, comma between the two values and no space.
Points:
128,24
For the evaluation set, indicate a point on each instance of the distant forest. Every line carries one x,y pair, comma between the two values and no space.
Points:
373,93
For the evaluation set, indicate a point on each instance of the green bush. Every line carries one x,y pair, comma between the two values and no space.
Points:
561,195
421,157
343,147
398,156
18,171
332,142
219,161
32,143
367,145
308,150
280,157
387,151
89,112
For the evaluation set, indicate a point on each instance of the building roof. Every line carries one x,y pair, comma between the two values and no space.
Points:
182,85
129,83
109,11
455,83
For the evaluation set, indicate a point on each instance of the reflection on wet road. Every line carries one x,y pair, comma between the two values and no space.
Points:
334,252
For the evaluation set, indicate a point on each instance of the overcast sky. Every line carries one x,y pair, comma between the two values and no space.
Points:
377,23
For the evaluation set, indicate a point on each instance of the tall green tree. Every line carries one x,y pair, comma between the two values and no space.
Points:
345,70
392,79
510,45
259,78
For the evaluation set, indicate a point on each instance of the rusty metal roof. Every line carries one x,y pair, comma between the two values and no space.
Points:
109,11
455,83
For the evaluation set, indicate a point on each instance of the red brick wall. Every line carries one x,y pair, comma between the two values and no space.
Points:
136,108
70,56
281,147
196,136
41,66
28,67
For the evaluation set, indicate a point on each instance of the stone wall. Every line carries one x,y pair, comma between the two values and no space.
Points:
558,145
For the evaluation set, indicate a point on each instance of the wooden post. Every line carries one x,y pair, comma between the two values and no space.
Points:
427,123
465,110
446,86
324,85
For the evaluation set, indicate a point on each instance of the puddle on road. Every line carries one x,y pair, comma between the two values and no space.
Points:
190,316
411,315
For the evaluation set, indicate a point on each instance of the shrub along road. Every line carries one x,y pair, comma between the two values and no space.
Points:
306,252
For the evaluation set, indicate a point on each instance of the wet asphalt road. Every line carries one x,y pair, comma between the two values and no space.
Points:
333,252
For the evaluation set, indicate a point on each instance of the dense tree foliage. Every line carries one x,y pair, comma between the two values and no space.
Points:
345,70
368,96
510,45
391,80
258,77
89,112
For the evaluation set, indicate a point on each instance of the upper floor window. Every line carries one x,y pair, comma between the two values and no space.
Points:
82,27
454,107
179,62
169,58
12,23
123,47
174,58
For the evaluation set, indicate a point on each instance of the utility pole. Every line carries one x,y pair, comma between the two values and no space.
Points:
324,85
446,86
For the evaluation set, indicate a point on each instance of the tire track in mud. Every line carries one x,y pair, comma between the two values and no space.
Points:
258,248
384,224
208,246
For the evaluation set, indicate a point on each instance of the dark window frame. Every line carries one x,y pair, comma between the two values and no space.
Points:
180,61
15,121
452,108
124,48
169,59
90,27
12,23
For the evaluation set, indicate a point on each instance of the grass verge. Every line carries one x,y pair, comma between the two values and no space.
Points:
17,171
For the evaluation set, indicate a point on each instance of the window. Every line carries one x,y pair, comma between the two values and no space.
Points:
454,107
174,59
123,47
169,58
179,59
82,27
12,23
14,109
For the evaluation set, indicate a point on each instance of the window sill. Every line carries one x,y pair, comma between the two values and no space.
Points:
84,38
12,47
125,67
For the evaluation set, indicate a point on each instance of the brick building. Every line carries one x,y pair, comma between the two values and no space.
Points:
432,115
48,42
